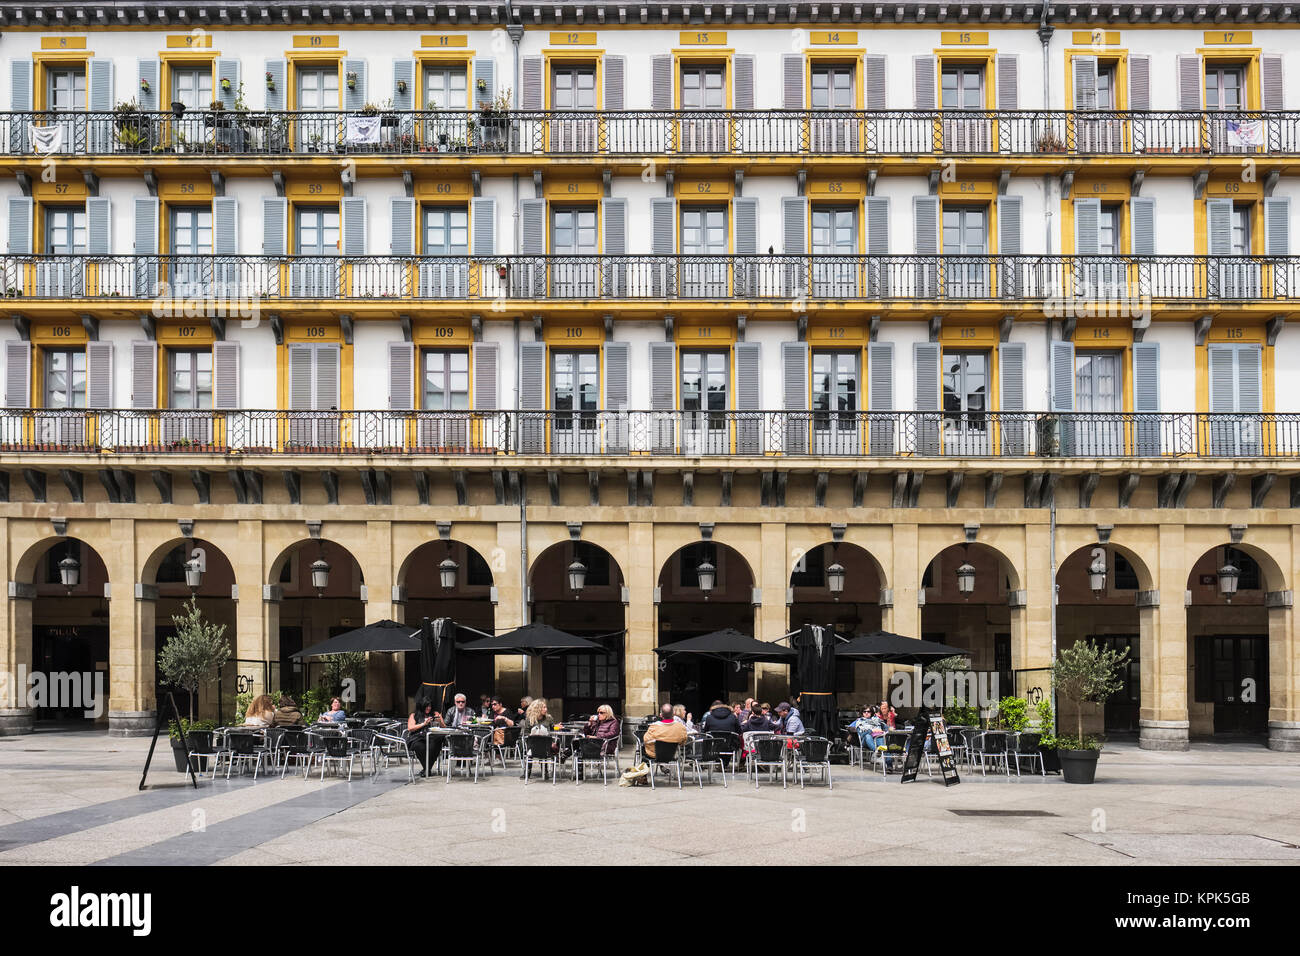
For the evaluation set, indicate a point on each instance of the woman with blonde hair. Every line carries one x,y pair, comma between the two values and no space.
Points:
536,720
683,718
260,712
604,726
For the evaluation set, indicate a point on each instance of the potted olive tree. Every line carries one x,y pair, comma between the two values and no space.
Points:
1084,674
193,656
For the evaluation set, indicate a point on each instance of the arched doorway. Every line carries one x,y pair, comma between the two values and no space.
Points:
688,610
581,680
1228,627
308,614
853,609
1097,600
68,658
166,570
969,590
467,601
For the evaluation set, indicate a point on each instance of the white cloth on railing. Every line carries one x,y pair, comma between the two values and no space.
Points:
362,130
1245,132
46,139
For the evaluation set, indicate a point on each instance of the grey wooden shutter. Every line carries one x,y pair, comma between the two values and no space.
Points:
1087,218
880,398
301,365
227,69
20,85
225,226
1062,375
99,229
402,226
877,246
1272,88
275,215
663,395
661,82
1139,83
924,70
354,97
144,374
401,376
749,400
742,87
1250,381
1222,360
615,75
794,397
485,70
532,227
1009,274
663,242
1008,92
146,71
99,374
225,376
926,357
531,79
792,70
925,231
614,237
532,397
20,226
1085,82
483,239
874,91
354,225
279,70
1190,80
146,245
794,242
616,397
327,376
1218,216
1142,212
1011,403
744,218
1277,227
99,99
487,361
404,72
18,374
1146,398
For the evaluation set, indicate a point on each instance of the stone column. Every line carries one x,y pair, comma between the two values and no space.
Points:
905,616
640,667
132,709
1283,674
257,609
1163,723
772,617
16,657
377,570
511,678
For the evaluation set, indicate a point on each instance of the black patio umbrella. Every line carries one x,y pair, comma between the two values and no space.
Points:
438,661
380,637
883,647
816,649
729,645
537,639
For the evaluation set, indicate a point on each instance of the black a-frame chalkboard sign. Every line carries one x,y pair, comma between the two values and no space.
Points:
159,727
932,727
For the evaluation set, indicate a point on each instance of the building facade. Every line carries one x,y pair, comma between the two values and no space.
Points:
770,288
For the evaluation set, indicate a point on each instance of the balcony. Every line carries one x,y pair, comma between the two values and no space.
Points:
1048,134
655,434
1122,281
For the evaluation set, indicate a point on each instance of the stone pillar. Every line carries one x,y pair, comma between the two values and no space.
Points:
905,616
772,617
1283,674
257,610
377,570
640,667
1031,626
131,704
1163,723
512,680
16,657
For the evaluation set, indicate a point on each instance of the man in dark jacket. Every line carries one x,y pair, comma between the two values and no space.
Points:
720,719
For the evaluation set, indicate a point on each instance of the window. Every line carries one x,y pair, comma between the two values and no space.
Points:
691,557
1097,384
575,385
192,85
962,88
704,230
702,87
446,380
573,88
65,88
65,378
965,389
191,233
810,572
1246,565
964,231
833,88
573,231
704,381
1241,229
834,231
191,380
477,572
446,231
593,676
65,230
1126,578
445,88
1224,88
834,385
1106,99
318,87
1108,230
318,231
597,563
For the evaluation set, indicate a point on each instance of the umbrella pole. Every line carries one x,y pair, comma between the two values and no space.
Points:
534,675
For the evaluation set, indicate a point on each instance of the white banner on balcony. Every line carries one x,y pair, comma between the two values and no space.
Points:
1245,132
46,139
362,130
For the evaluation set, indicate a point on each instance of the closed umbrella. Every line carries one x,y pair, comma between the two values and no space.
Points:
380,637
438,661
815,646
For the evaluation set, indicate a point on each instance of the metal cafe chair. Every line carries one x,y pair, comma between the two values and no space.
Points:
394,745
730,747
201,748
769,752
244,749
703,753
814,753
336,751
665,755
463,749
992,748
1026,748
293,745
591,750
508,749
537,750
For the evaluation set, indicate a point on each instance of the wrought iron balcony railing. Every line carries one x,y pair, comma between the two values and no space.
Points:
640,133
1121,280
797,434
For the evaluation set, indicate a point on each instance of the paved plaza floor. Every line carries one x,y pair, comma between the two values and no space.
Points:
71,798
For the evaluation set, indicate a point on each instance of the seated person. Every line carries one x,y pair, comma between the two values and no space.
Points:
261,711
757,720
720,720
604,726
500,721
790,720
287,714
335,714
870,730
666,728
460,715
417,728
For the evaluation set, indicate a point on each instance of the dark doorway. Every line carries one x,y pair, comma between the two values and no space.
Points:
1121,711
293,673
1002,664
68,649
1232,673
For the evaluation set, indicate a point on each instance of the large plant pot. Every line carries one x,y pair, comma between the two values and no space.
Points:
1079,766
178,754
1051,759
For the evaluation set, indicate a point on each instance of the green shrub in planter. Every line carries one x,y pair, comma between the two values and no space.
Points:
1085,673
1013,713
